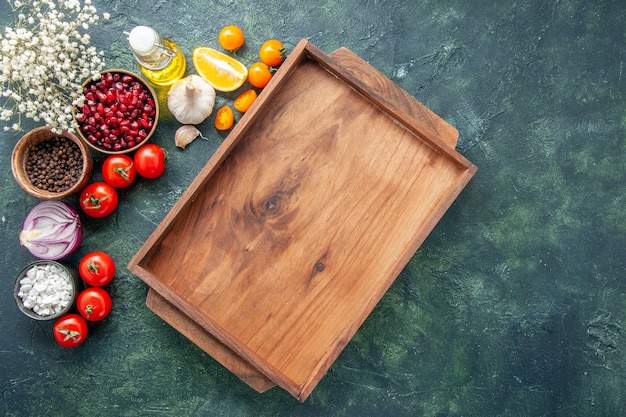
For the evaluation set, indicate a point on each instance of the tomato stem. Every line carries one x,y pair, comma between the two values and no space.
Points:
123,172
93,267
94,202
69,334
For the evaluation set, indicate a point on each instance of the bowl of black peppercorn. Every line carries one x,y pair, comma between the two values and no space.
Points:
51,165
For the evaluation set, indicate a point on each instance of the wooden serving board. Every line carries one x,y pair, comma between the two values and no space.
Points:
301,220
397,98
205,340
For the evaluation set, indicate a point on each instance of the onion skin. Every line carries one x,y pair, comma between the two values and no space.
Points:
52,230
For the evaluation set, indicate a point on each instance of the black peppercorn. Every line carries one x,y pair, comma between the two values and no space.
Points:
54,165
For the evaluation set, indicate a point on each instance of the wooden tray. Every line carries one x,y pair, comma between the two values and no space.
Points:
301,220
397,97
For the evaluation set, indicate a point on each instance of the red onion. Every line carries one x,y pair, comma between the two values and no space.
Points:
52,230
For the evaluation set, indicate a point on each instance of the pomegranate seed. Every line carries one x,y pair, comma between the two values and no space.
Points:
145,124
119,112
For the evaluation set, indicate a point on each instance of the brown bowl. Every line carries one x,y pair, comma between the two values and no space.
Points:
111,105
22,150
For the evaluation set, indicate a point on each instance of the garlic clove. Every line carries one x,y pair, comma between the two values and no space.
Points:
185,135
191,99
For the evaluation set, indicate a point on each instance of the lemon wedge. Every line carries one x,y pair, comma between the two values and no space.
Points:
223,72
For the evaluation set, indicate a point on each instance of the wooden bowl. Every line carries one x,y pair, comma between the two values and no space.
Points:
115,104
20,155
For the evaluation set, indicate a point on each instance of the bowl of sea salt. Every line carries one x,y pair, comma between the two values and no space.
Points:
45,290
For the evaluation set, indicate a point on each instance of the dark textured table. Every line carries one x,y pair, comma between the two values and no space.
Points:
514,306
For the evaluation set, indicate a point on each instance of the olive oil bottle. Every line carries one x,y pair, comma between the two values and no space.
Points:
159,59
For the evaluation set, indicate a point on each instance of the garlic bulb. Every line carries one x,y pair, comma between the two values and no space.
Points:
185,135
191,99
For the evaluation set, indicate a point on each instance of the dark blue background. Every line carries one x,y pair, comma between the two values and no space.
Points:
515,304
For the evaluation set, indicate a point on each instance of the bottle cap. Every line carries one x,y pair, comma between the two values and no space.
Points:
143,40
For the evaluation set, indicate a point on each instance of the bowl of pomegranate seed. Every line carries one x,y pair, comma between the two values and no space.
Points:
51,165
119,114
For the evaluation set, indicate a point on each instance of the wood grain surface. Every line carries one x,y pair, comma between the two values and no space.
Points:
300,222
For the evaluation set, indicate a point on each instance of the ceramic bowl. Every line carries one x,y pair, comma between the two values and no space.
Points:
54,279
110,119
23,175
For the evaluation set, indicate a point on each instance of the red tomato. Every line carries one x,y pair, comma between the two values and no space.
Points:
150,161
70,330
259,74
245,100
94,303
98,200
96,269
272,52
119,171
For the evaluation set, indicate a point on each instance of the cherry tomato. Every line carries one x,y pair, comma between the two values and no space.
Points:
231,38
70,330
98,200
259,74
245,100
272,53
96,269
224,118
94,303
150,161
119,171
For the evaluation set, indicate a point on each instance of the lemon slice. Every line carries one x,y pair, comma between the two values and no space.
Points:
223,72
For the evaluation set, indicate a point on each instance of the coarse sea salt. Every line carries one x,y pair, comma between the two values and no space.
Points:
46,289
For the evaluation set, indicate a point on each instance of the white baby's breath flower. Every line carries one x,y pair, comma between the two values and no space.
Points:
43,61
